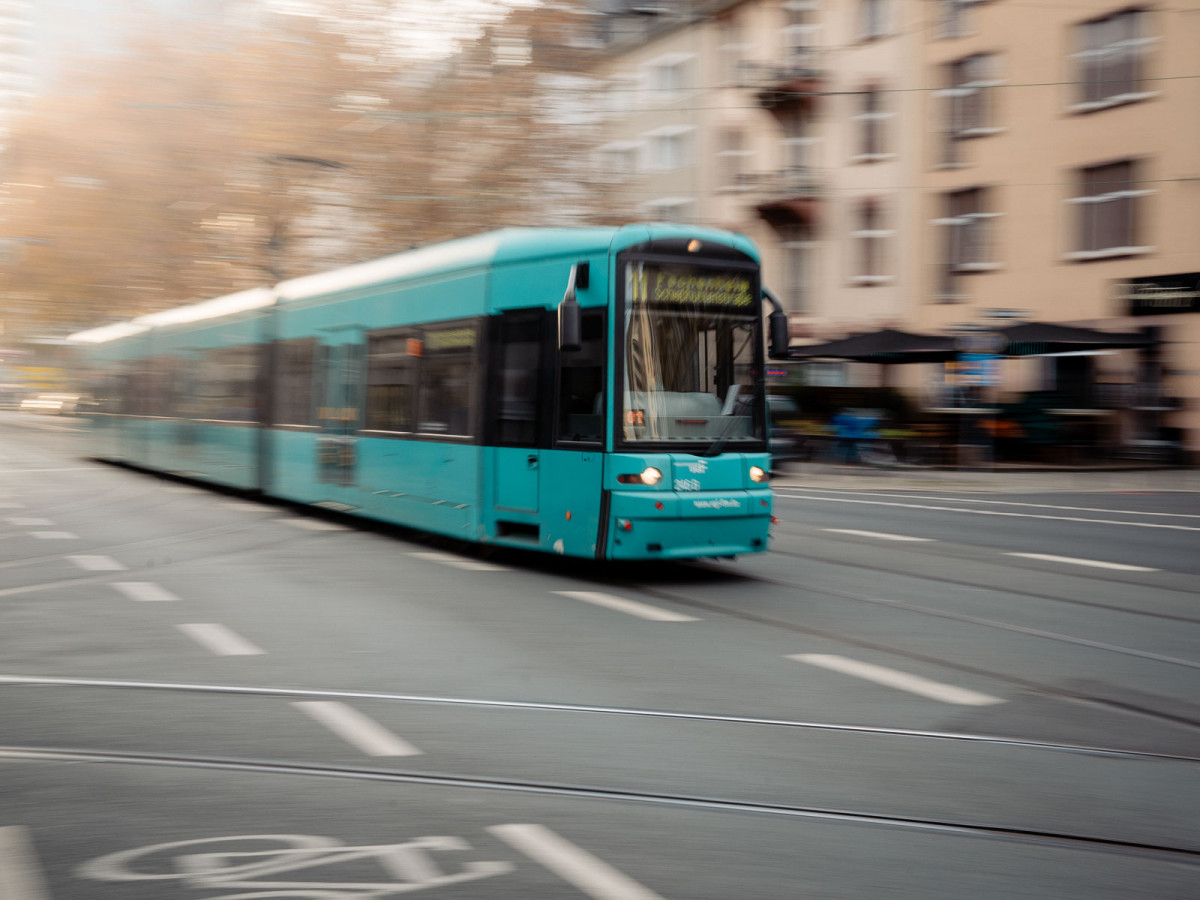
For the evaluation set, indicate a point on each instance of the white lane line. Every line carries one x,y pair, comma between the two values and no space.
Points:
893,678
248,507
146,591
220,640
97,563
1096,563
9,505
27,521
20,874
38,471
881,535
313,524
55,535
573,864
1119,512
988,512
449,559
355,728
632,607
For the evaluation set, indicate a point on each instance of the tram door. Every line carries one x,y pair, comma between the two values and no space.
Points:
340,415
516,410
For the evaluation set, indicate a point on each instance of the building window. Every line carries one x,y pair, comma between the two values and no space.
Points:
954,17
872,19
732,51
869,239
622,92
668,77
618,159
870,124
732,159
678,210
797,261
669,148
1106,212
800,30
1109,59
967,239
968,98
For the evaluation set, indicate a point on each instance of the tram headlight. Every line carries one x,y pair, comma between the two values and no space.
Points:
757,473
648,476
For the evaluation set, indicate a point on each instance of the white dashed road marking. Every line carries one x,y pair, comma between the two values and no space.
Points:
989,512
144,591
97,563
27,521
55,535
632,607
1095,563
459,562
20,874
313,524
220,640
573,864
355,728
903,681
881,535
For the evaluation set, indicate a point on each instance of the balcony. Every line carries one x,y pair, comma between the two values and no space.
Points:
792,84
786,197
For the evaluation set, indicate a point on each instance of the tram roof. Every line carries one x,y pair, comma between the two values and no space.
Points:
508,245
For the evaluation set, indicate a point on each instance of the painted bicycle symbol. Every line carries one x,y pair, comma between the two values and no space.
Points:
224,863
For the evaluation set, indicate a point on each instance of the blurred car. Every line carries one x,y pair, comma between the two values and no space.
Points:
52,404
784,442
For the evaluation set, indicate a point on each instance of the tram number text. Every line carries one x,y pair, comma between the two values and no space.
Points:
687,484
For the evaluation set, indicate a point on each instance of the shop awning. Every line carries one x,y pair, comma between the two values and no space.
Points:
886,346
1046,338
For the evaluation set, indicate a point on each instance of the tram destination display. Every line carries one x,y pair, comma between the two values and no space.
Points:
675,286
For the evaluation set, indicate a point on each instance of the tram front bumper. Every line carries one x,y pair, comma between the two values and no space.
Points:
678,525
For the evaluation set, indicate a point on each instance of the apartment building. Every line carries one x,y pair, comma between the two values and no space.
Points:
937,165
1060,182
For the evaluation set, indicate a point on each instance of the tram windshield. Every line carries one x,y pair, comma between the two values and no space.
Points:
692,348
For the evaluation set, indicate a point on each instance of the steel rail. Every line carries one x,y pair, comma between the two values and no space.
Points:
1172,855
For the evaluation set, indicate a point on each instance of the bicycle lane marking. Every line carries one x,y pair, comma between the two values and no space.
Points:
203,864
409,866
20,874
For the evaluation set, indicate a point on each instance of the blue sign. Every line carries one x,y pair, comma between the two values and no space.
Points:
978,368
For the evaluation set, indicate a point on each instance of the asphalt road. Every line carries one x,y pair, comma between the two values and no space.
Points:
915,694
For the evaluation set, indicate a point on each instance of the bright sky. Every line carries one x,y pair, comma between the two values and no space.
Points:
424,28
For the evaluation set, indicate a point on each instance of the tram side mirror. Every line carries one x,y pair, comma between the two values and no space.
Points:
777,329
570,318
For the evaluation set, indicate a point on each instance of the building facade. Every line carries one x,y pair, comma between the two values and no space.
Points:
938,165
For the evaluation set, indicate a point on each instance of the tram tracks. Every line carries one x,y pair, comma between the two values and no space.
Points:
1083,574
986,821
1162,852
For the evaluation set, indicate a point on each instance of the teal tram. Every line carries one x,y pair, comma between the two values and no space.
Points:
593,392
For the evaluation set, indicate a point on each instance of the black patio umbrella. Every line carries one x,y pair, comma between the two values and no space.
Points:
887,346
1045,338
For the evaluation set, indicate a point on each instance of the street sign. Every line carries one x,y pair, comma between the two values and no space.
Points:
976,369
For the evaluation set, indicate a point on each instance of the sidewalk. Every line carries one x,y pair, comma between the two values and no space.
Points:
1004,479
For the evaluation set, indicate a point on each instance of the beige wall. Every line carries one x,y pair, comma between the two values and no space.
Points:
1030,165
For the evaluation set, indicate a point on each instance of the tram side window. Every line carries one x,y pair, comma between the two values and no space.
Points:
391,370
446,404
226,388
519,354
581,385
294,382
